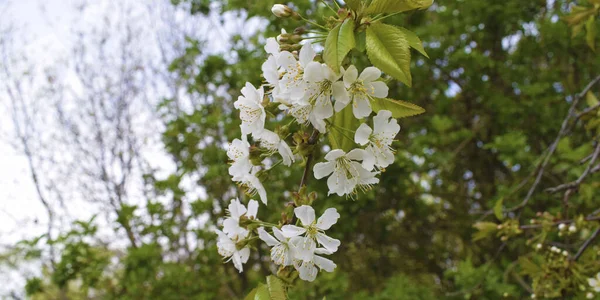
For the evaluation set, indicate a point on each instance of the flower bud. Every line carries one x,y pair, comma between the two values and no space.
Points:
565,253
538,246
562,227
589,295
282,11
572,228
532,296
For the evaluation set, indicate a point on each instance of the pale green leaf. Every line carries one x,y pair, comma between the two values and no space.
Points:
396,6
528,267
276,288
262,292
498,209
590,36
361,41
339,42
341,134
484,230
251,295
414,41
399,109
355,5
389,51
591,99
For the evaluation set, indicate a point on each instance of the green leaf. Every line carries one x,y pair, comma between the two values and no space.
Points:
484,230
498,209
528,267
276,288
396,6
262,292
340,133
590,36
591,99
361,41
339,42
414,41
399,109
388,50
355,5
251,295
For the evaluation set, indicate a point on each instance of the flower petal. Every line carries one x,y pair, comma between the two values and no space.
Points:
305,248
271,46
292,230
361,107
356,154
334,154
324,263
329,217
306,214
279,235
362,134
377,89
313,72
327,242
286,60
307,54
252,209
306,270
350,76
267,238
236,209
370,74
323,169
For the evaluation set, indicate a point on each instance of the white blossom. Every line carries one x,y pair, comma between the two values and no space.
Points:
231,225
282,11
379,140
272,142
282,251
252,112
361,89
239,152
321,85
307,269
314,232
228,248
594,283
346,172
293,82
253,185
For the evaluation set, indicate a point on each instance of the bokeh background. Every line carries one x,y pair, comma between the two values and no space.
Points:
115,115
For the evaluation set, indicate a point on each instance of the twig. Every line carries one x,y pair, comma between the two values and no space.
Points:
589,218
552,148
587,111
586,244
311,141
576,183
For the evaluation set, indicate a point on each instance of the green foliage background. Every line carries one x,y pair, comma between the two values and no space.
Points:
496,87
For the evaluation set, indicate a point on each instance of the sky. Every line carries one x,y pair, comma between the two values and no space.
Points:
43,27
45,38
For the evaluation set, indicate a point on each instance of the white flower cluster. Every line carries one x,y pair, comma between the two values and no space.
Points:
233,233
311,92
302,246
292,245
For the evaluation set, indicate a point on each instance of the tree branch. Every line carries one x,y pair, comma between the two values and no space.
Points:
586,244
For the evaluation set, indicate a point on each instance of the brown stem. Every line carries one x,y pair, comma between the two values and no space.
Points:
586,244
311,141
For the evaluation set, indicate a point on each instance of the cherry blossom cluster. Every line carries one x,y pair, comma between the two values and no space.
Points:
299,246
311,93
